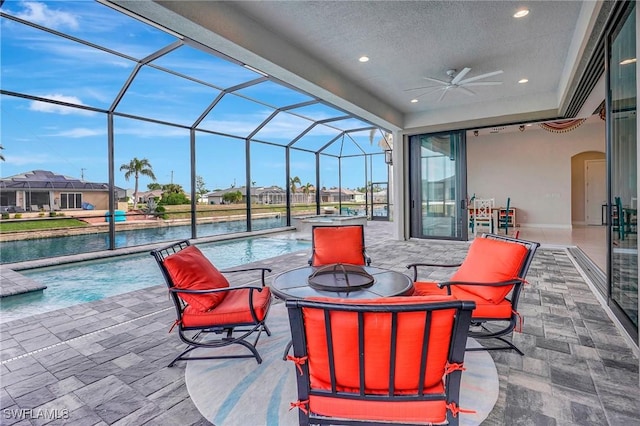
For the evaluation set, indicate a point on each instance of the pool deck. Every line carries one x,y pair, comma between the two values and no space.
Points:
12,283
105,362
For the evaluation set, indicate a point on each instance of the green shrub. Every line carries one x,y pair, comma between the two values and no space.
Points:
174,199
160,212
41,214
150,207
232,197
5,215
52,214
17,216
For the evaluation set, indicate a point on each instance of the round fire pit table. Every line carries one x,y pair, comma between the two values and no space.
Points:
341,281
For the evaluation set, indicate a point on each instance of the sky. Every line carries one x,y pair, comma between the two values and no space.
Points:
73,141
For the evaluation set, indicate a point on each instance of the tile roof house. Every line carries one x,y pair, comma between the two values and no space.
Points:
42,189
260,195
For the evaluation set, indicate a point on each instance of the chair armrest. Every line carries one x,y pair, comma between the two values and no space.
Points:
259,268
367,259
214,290
439,265
492,284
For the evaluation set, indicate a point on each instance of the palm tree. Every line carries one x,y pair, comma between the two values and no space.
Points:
385,142
136,168
306,190
292,183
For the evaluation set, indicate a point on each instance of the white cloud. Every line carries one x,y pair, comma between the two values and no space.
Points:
59,109
146,130
18,160
41,14
80,132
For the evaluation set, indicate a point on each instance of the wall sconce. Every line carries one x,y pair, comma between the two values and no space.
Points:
521,127
388,157
475,133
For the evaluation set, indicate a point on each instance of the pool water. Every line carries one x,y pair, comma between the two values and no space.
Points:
23,250
83,282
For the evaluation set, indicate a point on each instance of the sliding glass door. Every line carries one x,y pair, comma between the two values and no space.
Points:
623,200
438,186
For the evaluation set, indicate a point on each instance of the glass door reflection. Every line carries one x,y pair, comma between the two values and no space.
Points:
623,270
437,202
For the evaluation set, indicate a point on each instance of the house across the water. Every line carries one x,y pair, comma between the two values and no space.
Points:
44,190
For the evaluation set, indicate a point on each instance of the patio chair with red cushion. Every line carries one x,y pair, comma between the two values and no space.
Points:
211,313
492,276
379,361
338,244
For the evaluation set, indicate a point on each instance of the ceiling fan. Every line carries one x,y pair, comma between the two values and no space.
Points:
457,82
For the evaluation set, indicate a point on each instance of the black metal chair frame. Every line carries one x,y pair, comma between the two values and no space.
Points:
480,326
365,256
200,337
504,221
456,353
624,222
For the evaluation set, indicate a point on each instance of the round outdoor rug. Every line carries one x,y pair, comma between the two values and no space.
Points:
243,392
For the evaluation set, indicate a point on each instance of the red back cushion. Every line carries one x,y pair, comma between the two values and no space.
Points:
190,269
377,348
340,244
488,261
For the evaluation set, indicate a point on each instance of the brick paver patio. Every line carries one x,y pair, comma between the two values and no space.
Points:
105,362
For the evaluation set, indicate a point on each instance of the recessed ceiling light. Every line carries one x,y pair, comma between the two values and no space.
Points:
364,59
523,80
628,61
414,101
521,13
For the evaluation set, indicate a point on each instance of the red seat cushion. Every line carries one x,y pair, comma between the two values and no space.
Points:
428,289
484,308
233,309
190,269
490,261
422,412
377,332
338,244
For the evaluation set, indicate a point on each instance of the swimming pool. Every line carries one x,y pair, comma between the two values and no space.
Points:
83,282
23,250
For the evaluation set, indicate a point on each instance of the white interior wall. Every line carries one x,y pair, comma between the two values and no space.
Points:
533,168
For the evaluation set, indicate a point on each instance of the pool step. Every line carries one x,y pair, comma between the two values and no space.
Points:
12,283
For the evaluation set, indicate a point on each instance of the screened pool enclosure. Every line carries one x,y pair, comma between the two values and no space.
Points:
191,136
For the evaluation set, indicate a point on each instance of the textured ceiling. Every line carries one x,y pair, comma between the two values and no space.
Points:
407,41
315,45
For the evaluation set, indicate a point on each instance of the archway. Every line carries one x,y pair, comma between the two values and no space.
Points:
588,188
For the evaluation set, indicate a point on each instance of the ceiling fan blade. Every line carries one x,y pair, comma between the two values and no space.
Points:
460,76
466,91
483,83
480,77
435,80
421,87
444,92
430,92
